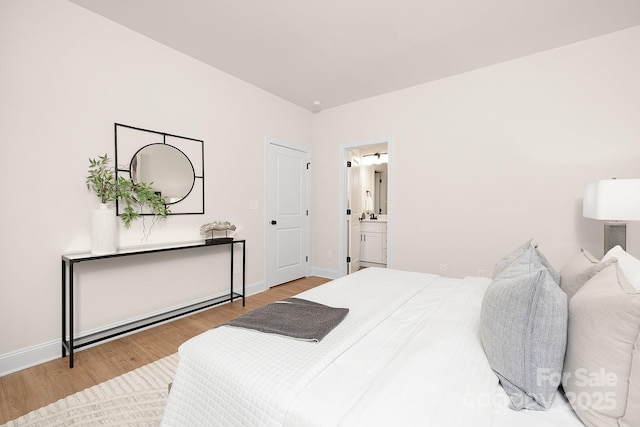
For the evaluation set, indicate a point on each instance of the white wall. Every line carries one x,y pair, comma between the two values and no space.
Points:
66,76
485,160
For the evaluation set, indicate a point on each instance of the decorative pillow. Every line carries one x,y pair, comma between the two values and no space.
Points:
602,366
554,274
578,263
579,270
629,265
524,259
523,327
508,259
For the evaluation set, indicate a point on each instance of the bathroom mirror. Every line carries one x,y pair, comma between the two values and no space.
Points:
380,189
172,163
374,179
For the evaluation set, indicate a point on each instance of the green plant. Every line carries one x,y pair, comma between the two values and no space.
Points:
102,180
135,196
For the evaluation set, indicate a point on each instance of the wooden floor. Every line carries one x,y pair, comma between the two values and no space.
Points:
32,388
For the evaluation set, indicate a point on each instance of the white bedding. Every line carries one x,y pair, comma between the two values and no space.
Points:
408,353
559,414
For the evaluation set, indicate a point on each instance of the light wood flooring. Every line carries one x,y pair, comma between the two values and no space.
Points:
32,388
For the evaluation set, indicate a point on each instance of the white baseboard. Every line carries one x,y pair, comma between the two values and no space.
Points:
30,356
50,350
255,288
327,274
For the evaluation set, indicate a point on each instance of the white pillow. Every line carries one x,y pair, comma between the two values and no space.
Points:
579,270
602,366
629,265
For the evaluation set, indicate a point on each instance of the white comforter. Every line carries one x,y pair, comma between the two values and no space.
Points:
408,353
422,366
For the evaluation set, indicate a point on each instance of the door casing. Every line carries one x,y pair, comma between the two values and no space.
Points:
342,198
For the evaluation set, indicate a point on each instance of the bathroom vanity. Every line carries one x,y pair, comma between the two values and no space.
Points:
373,243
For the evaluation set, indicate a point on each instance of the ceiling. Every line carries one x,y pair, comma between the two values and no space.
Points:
340,51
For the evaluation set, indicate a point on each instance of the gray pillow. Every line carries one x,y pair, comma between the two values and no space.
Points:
504,262
523,327
543,260
524,259
602,367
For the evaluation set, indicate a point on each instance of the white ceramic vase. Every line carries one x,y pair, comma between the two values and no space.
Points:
104,230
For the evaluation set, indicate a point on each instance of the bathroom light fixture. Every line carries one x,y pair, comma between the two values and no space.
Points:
614,201
375,159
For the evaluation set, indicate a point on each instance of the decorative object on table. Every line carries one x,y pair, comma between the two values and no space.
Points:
614,201
104,230
135,196
217,226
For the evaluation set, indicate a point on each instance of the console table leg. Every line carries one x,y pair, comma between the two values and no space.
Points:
71,332
231,290
64,307
244,259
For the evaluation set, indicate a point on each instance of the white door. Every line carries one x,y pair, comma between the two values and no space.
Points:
354,209
287,214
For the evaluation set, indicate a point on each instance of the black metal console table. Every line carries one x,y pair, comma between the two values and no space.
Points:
70,259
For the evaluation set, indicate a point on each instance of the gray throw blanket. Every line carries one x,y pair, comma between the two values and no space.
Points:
293,317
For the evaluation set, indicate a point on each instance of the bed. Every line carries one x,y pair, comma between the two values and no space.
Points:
409,352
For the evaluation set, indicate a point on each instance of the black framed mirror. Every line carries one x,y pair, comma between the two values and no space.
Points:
167,167
174,164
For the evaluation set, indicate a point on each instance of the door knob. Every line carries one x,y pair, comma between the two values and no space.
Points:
274,222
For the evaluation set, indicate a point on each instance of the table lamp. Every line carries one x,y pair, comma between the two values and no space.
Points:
614,201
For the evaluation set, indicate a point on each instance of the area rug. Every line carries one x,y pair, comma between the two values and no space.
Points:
136,398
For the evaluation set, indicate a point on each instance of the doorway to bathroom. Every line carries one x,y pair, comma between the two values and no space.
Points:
365,204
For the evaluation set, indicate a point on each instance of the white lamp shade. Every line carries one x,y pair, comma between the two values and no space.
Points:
612,200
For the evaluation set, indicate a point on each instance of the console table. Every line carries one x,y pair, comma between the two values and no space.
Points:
70,259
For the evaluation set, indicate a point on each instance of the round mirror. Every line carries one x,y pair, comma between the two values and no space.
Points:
168,168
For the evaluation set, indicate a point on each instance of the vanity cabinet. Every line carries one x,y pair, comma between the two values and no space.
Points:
373,243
